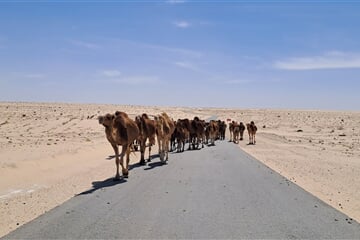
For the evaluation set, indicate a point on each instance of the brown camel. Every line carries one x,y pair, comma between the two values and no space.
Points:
252,131
180,134
120,130
222,130
147,131
236,132
197,133
242,129
231,130
212,129
164,129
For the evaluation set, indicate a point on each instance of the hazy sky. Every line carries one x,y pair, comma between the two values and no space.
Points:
244,54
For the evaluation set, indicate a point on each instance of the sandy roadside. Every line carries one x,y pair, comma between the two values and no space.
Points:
51,152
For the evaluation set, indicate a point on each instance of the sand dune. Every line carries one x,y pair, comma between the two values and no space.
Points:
50,152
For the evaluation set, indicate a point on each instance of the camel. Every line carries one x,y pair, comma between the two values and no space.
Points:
147,131
197,133
252,131
231,129
173,138
222,130
213,129
181,134
120,130
236,132
186,124
164,128
242,129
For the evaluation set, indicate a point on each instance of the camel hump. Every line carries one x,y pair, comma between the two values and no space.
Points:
119,113
165,116
121,125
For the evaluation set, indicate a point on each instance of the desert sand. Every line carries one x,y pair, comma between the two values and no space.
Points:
50,152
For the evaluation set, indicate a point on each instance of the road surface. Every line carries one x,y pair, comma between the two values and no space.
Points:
216,192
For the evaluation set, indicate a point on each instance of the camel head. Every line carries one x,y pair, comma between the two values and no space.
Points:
138,119
106,120
144,115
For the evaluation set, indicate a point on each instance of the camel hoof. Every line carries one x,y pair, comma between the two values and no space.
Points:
117,178
142,162
125,174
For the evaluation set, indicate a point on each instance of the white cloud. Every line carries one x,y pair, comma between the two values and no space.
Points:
175,1
111,73
237,81
34,75
180,51
182,24
186,65
137,80
329,60
84,44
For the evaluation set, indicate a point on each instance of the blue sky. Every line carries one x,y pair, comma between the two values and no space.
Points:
243,54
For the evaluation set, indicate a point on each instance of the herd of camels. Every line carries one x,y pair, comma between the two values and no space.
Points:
123,131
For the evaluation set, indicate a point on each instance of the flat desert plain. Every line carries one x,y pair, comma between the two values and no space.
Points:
50,152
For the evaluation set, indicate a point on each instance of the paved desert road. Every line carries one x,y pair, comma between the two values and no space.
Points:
216,192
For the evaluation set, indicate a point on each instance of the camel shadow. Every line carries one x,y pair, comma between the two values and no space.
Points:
135,165
194,149
102,184
251,144
155,165
152,157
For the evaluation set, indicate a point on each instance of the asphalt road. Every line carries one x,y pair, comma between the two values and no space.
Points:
216,192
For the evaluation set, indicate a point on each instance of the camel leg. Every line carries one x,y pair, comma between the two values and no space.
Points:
167,142
162,157
142,151
117,161
122,154
163,150
178,146
254,139
149,153
151,143
126,172
159,144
